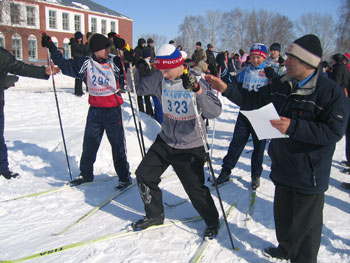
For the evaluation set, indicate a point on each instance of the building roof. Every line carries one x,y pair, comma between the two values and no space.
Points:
88,6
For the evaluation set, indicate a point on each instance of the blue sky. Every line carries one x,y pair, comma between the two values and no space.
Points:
164,17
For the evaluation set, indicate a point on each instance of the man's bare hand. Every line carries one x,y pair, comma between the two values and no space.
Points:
216,83
282,124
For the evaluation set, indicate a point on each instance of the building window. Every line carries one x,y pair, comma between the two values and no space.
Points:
65,21
103,27
113,26
77,23
52,19
93,25
66,49
30,16
32,48
14,13
2,40
17,46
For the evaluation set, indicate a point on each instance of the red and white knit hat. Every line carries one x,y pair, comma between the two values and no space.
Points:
168,57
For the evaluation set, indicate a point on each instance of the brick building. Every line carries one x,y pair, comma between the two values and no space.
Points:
22,21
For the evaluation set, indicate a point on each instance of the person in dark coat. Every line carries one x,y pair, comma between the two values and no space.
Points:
211,60
8,64
101,73
340,74
77,51
313,116
141,43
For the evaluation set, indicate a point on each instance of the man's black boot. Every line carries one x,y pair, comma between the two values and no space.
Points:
223,177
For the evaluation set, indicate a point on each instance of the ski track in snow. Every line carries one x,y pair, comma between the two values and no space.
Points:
36,151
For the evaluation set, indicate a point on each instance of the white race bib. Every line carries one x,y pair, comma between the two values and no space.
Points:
100,79
254,79
177,103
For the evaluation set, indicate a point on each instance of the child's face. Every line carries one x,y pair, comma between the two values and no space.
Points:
103,53
256,60
172,73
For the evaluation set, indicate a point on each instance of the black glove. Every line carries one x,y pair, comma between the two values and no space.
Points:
119,42
143,67
269,72
281,61
47,42
189,81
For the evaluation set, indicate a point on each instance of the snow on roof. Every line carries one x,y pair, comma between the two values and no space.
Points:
88,5
81,5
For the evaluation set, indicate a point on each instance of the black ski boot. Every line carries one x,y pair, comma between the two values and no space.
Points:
146,222
212,230
255,182
122,185
275,252
80,180
223,177
8,175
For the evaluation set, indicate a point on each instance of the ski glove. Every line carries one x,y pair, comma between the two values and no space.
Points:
281,61
189,81
47,42
269,72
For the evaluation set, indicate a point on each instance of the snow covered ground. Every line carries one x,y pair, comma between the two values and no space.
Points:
29,225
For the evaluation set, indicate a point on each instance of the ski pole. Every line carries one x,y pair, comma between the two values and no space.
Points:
132,108
58,112
137,107
210,165
213,135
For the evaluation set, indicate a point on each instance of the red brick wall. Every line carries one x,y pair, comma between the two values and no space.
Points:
125,30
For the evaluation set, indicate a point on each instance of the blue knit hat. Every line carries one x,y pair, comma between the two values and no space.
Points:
259,49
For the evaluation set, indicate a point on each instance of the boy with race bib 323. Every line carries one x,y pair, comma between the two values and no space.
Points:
179,143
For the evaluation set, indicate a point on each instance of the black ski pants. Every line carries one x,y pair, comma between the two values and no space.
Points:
298,221
189,167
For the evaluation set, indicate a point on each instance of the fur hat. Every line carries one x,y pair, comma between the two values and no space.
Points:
99,42
168,57
258,49
199,44
78,35
307,49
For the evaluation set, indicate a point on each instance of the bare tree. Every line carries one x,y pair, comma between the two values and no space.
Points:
158,40
212,21
233,30
320,25
343,27
267,27
281,31
190,30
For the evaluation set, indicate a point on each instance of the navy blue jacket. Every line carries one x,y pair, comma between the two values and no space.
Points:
318,113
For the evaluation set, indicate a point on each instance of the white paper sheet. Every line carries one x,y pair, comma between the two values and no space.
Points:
260,120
